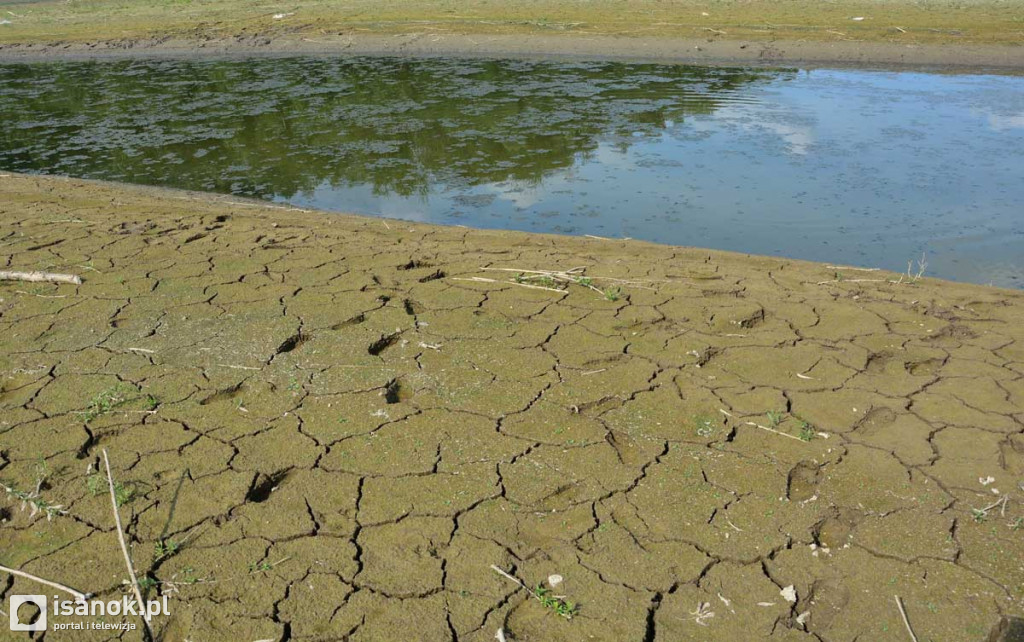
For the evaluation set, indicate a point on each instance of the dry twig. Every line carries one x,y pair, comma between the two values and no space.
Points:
906,622
124,547
79,596
40,277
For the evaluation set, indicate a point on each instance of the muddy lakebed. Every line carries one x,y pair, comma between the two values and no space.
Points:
866,168
325,426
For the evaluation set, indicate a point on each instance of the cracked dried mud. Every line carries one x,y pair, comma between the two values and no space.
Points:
329,427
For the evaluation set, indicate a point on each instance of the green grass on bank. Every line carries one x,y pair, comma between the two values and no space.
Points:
920,21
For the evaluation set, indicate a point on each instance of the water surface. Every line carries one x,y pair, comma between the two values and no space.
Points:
851,167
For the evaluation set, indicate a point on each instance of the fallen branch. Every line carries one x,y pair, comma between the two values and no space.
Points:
906,622
511,578
751,423
124,547
983,512
848,267
79,596
854,281
480,279
40,277
777,432
42,296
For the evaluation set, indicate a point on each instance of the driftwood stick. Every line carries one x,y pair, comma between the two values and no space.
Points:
124,547
40,277
906,620
79,596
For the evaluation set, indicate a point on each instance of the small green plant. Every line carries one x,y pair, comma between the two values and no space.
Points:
774,417
555,603
42,471
704,426
33,501
585,281
95,484
151,402
147,582
166,548
978,515
806,431
123,493
613,294
108,400
1017,524
294,385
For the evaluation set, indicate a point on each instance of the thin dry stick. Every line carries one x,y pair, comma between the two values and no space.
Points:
777,432
984,511
512,578
480,279
536,287
906,622
854,281
124,547
40,277
42,296
79,596
571,276
751,423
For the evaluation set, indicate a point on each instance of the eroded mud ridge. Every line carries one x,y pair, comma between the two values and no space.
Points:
329,427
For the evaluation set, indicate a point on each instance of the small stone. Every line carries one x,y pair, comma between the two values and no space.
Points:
789,594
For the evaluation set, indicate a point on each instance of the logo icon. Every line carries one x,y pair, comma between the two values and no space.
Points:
17,601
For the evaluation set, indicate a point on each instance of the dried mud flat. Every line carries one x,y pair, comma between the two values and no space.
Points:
342,422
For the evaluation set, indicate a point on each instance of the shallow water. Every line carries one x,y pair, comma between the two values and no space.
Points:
850,167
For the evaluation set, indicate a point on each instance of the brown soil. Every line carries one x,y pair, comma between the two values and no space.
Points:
344,421
758,50
975,33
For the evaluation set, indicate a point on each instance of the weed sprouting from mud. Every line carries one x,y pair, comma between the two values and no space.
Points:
34,502
108,400
774,417
166,548
123,493
556,603
264,566
32,499
704,426
806,431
